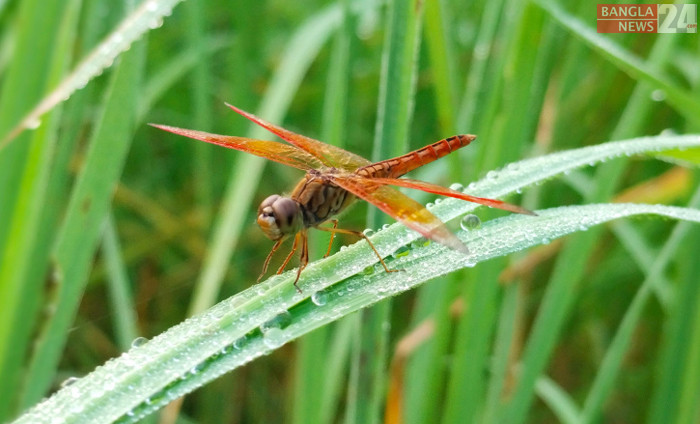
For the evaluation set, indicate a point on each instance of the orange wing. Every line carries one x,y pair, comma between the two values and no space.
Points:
402,208
444,191
278,152
330,155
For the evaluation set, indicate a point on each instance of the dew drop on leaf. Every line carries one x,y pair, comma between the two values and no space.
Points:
470,222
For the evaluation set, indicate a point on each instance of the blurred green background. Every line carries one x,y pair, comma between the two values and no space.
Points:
111,229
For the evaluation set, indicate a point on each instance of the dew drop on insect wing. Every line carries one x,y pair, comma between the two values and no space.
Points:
273,338
139,341
319,298
470,222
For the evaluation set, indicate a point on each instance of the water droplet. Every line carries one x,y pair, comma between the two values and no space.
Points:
470,222
545,240
239,342
196,369
368,232
281,320
492,175
155,23
456,186
319,298
139,341
658,95
401,251
368,270
274,338
420,242
69,381
385,226
33,124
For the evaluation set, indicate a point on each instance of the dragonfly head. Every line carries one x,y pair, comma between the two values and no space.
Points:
279,216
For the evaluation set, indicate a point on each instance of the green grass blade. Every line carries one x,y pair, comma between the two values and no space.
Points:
147,16
395,108
228,335
25,251
612,362
683,102
121,299
247,326
79,236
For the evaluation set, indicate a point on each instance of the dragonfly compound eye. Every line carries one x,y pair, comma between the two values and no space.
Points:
279,216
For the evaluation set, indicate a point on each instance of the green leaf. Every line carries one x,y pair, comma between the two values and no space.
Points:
272,313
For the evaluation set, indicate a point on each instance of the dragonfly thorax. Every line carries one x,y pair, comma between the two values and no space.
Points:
279,216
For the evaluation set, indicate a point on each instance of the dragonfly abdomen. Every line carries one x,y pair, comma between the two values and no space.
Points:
398,166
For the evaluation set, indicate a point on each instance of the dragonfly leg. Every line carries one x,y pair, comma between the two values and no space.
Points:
304,258
269,256
332,231
289,256
360,234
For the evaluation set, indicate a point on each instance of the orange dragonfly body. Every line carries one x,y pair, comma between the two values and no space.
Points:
334,179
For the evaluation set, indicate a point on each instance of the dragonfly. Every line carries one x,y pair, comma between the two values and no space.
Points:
334,179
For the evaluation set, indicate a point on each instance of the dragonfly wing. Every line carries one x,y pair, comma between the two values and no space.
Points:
330,155
402,208
278,152
444,191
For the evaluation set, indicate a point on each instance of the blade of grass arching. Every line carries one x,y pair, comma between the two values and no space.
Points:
684,103
79,235
24,256
395,106
301,51
120,299
176,364
148,15
229,335
314,367
571,261
614,357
